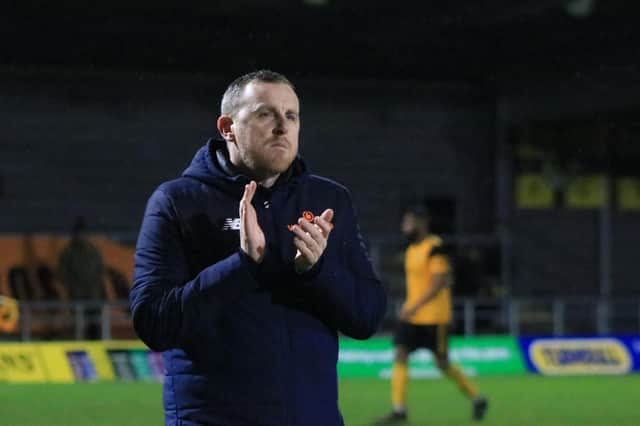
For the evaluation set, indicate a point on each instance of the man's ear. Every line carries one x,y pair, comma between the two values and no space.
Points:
224,127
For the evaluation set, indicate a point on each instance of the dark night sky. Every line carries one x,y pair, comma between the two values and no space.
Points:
480,41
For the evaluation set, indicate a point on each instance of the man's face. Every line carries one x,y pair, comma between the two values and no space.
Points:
409,224
266,127
413,226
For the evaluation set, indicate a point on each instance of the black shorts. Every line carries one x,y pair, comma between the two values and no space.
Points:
432,337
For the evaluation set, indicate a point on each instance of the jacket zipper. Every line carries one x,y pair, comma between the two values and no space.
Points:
265,198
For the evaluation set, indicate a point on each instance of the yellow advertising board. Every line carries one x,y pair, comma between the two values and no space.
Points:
69,362
533,192
628,191
586,192
61,360
22,363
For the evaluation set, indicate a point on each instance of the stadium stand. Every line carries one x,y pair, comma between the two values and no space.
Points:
28,274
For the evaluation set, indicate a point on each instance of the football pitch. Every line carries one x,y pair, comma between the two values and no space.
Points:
515,401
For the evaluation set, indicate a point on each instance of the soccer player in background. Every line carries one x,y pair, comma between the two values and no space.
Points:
425,315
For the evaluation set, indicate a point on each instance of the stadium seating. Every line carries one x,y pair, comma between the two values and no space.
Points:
27,274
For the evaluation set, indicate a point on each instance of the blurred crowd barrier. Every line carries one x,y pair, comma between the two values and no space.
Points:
55,320
36,303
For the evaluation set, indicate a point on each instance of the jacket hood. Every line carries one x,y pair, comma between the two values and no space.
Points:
211,165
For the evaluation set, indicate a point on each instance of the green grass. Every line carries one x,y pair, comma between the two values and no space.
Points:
515,401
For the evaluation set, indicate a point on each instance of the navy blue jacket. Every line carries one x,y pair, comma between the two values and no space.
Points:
246,343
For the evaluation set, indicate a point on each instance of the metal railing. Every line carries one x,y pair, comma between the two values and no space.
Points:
47,320
521,316
542,316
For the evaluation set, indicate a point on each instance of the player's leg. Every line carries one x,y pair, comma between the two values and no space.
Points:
441,354
400,379
403,341
440,351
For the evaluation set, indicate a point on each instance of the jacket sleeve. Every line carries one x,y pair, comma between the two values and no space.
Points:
348,293
165,301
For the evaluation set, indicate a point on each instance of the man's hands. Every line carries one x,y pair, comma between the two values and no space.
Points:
310,237
406,313
252,240
311,240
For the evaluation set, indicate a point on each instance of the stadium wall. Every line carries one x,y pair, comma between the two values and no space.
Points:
96,144
608,99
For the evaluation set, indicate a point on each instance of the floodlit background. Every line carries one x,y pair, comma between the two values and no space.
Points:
515,122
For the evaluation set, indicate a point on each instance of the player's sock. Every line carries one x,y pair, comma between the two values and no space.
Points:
480,406
399,379
463,383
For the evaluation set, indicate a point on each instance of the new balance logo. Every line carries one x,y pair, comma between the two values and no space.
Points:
231,224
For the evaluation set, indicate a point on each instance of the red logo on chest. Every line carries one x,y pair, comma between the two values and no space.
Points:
308,216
